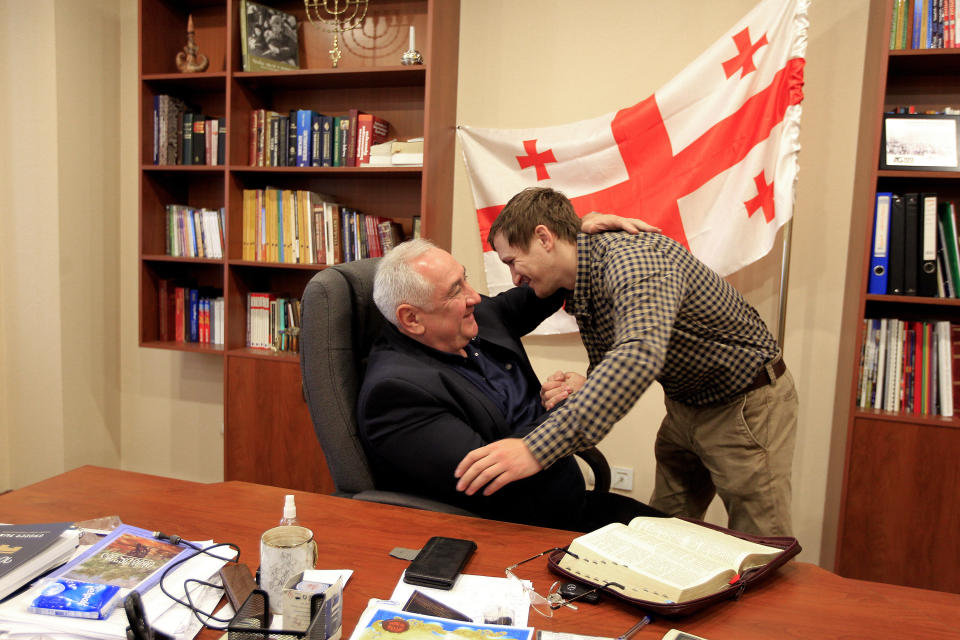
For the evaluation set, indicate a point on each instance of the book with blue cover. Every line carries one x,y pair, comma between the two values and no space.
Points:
128,557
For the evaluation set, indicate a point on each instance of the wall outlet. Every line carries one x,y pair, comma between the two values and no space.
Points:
621,478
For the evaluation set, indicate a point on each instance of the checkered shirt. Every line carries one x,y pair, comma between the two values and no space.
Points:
648,310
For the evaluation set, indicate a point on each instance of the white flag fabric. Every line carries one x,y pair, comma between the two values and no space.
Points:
710,158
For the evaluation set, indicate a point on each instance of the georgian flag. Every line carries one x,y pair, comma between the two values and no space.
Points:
710,158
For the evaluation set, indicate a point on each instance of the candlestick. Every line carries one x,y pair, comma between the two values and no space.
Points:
411,55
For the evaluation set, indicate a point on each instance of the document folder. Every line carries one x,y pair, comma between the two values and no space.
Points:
879,260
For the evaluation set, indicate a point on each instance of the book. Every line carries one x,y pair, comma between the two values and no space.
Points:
409,152
350,157
344,141
268,37
664,559
30,550
128,557
378,622
371,130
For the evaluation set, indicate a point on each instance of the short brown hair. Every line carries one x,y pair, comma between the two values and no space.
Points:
531,207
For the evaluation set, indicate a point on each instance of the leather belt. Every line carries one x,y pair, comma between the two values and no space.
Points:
763,378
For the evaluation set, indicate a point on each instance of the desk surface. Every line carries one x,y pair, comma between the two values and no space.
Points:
801,601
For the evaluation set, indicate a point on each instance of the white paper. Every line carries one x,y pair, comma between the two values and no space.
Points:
471,595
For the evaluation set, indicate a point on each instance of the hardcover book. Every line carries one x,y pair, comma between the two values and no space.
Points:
28,550
269,40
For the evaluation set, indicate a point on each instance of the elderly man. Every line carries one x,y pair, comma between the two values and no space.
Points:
448,375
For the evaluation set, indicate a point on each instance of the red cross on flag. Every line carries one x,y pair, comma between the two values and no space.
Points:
711,158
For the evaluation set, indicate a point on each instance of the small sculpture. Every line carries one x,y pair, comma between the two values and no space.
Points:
189,60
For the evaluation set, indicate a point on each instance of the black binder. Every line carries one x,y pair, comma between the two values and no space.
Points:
911,243
927,276
895,280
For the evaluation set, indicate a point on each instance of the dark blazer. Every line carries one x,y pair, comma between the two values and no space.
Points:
418,418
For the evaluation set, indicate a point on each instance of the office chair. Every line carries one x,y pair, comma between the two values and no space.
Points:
339,324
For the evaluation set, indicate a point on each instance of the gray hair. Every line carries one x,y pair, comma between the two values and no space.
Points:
397,282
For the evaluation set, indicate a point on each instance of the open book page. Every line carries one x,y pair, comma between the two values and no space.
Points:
671,562
720,548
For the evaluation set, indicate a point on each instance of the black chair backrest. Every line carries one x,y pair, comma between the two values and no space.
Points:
339,324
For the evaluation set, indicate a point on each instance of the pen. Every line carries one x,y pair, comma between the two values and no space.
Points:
644,621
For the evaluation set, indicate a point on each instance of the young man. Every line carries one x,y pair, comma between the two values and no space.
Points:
449,375
648,310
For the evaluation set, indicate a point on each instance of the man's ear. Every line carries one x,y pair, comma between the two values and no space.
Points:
544,236
408,320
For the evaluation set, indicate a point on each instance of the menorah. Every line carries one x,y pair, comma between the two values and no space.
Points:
336,16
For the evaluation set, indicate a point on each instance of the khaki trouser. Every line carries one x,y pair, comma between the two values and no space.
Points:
741,450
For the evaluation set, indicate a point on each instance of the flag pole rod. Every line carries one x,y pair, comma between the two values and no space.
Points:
784,278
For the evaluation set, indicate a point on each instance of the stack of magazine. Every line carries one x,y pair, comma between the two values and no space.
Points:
127,559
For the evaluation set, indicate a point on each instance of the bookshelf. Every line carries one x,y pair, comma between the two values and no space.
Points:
899,519
268,435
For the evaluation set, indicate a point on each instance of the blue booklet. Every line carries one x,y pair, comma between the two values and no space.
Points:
379,622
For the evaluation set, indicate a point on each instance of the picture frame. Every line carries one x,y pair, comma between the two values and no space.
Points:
920,142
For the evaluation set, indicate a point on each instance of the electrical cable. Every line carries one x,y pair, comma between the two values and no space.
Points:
177,540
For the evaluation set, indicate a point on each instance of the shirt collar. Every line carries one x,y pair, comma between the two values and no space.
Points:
577,302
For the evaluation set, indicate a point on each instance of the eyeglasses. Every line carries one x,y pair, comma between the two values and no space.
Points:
546,605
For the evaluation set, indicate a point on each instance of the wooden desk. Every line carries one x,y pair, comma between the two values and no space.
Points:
802,601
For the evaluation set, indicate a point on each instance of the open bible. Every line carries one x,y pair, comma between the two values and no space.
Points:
665,560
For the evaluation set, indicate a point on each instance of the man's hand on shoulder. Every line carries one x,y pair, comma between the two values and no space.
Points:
494,466
558,387
595,222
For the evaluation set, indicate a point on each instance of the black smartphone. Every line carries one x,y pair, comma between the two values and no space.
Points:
439,562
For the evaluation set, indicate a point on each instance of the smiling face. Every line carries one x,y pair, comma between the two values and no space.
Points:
447,322
542,265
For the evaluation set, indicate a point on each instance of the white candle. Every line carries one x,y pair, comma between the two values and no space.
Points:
412,47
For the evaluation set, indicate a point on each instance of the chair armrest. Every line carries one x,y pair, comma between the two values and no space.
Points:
412,501
601,469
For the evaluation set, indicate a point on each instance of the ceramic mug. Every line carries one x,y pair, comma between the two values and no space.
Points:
284,552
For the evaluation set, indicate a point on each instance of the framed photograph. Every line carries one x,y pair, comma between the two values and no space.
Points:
920,142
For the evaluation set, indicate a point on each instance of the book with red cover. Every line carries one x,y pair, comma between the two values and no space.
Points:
167,308
353,116
370,130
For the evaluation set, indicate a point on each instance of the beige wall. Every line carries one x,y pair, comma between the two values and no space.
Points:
59,303
77,389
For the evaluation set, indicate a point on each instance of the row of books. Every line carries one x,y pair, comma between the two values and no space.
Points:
306,138
183,136
273,322
189,314
909,366
923,24
194,233
915,249
303,227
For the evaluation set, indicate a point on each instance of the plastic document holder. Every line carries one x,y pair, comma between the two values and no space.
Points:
252,622
748,580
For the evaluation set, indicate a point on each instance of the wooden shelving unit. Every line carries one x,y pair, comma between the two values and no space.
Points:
268,435
900,508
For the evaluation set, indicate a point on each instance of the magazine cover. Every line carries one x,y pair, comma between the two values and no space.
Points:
269,38
128,557
379,623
